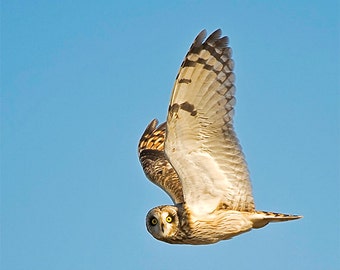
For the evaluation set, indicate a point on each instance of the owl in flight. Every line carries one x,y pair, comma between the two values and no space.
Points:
195,156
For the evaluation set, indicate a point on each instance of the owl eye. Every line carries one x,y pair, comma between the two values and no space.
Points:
168,219
153,221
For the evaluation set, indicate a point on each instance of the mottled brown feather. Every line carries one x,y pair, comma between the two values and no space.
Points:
155,165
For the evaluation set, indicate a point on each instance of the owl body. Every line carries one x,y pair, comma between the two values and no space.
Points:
195,156
177,225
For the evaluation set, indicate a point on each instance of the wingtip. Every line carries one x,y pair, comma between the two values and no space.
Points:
150,127
200,38
215,38
148,130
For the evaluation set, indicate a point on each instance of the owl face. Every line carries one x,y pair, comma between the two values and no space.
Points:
162,222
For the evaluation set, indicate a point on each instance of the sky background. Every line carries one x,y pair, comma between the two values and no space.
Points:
80,80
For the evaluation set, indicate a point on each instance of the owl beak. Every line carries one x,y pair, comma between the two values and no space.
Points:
162,227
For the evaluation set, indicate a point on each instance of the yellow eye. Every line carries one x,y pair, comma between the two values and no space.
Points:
168,219
154,221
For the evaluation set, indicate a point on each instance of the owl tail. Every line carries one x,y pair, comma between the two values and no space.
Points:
262,218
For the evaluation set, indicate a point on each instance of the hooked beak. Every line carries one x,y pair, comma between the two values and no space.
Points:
162,227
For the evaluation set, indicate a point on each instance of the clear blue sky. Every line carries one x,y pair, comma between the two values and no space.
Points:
80,80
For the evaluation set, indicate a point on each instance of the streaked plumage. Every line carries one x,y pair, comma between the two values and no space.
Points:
156,167
195,156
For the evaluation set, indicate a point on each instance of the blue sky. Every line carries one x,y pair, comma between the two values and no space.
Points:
80,80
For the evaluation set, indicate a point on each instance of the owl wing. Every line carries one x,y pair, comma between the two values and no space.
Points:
155,165
200,140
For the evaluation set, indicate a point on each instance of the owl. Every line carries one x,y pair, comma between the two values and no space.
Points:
195,156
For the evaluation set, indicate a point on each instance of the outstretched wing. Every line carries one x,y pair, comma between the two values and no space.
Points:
155,165
200,141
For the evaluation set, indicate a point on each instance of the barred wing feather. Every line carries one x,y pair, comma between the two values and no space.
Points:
200,142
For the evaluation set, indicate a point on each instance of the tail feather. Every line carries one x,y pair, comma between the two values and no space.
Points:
262,218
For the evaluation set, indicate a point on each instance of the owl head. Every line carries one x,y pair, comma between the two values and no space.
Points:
162,223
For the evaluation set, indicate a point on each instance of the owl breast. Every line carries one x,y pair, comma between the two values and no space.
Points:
210,228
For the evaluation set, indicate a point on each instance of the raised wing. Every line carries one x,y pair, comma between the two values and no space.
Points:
200,141
155,165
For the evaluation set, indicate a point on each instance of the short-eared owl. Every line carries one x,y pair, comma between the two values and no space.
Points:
195,156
